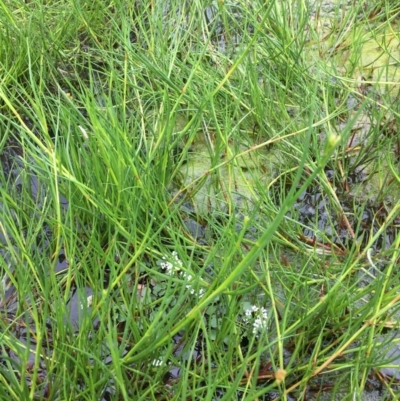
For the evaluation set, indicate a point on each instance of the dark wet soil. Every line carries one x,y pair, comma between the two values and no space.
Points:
326,221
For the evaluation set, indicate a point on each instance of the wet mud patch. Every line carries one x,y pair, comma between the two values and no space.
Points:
324,223
337,213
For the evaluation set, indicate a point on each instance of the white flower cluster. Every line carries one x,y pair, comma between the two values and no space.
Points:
260,317
175,266
170,267
157,362
189,277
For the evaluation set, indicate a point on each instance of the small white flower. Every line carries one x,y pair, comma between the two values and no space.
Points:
171,265
260,316
157,362
167,266
177,260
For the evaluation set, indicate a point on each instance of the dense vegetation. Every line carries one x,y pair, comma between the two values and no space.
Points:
199,200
